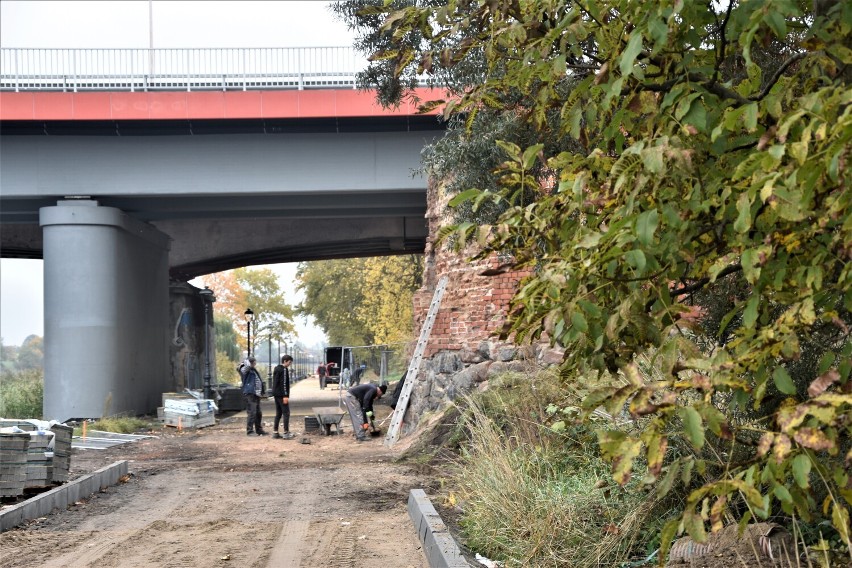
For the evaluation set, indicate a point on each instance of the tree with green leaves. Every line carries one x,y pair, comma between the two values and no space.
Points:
362,301
333,294
273,316
227,341
31,354
679,188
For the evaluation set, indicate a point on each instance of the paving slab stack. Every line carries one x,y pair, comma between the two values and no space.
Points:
48,454
13,463
186,411
61,451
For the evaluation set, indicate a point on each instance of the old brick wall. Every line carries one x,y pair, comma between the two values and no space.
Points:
474,306
463,349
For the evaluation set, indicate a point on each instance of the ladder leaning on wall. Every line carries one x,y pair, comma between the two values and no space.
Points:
414,364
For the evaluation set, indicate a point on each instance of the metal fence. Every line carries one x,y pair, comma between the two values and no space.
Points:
178,69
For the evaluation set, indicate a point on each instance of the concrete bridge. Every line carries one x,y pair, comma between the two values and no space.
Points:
124,183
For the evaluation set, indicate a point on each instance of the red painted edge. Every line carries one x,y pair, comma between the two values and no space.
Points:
175,105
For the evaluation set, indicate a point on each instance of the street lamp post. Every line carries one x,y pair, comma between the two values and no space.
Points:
249,317
208,298
269,364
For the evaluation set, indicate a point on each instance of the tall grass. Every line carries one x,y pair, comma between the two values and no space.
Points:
21,394
121,424
532,497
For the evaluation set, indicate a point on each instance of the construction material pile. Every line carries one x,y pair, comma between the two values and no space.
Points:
34,454
186,410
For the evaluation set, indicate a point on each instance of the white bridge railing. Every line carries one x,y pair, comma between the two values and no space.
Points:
35,69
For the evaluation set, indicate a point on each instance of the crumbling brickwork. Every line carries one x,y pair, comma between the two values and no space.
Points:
474,306
463,349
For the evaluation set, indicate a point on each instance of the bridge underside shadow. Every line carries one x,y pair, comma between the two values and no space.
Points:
246,192
115,217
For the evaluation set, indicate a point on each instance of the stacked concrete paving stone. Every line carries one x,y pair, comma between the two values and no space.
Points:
13,463
185,411
61,452
41,466
39,460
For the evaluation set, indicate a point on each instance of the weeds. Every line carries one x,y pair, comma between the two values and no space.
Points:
533,497
119,424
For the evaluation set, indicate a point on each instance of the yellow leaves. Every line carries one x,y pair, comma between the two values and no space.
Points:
716,512
815,439
790,415
389,283
657,444
782,448
618,448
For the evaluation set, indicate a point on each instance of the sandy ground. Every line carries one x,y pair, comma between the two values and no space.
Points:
216,497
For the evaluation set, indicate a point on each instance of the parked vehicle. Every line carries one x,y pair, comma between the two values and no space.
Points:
342,358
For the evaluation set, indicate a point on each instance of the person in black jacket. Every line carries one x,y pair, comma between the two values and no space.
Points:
281,395
359,402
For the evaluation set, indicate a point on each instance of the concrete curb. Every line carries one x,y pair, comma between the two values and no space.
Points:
438,545
62,496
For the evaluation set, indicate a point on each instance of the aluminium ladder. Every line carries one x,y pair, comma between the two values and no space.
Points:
414,365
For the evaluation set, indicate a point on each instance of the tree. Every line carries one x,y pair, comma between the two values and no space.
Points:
387,307
362,301
701,150
31,353
226,339
230,296
258,289
333,294
263,294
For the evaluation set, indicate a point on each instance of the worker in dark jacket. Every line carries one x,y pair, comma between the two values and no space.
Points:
359,402
281,395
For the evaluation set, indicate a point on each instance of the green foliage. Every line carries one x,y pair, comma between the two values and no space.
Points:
31,354
709,144
361,301
226,369
389,283
21,394
263,294
333,294
227,342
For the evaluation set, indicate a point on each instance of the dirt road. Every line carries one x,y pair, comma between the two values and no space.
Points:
216,497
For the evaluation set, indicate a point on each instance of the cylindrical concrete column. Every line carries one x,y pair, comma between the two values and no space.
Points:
105,312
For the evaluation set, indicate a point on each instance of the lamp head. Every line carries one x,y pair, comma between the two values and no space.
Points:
249,315
207,295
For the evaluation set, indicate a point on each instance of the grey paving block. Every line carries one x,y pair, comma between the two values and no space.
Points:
60,497
439,546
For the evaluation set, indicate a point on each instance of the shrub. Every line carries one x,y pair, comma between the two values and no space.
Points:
21,394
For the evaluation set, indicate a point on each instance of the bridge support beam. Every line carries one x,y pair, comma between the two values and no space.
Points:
106,312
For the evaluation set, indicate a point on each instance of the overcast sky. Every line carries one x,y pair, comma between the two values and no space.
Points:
125,24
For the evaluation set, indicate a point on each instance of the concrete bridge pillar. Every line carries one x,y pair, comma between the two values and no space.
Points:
106,312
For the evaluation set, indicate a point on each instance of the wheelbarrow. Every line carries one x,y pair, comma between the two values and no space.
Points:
328,416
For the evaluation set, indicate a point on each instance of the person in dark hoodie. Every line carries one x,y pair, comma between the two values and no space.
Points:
359,402
281,395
